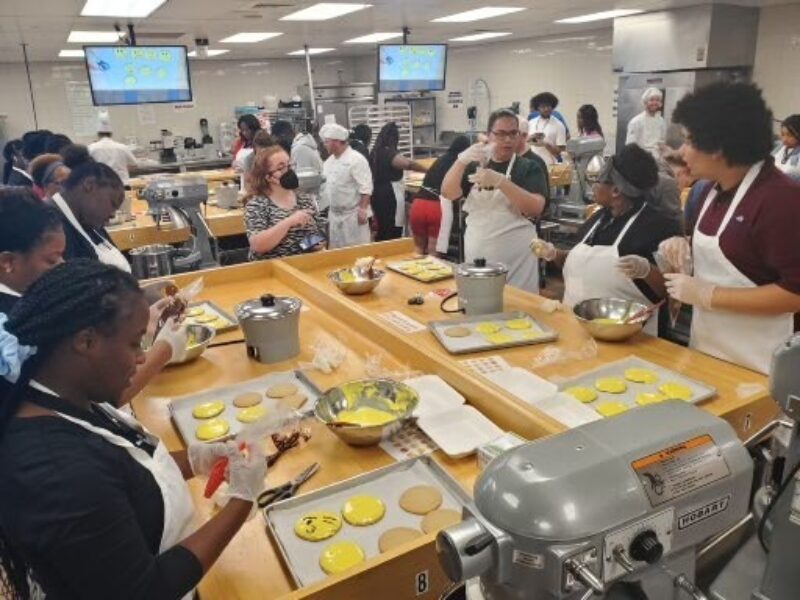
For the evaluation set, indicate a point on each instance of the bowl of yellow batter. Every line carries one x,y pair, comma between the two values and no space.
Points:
604,318
366,411
356,281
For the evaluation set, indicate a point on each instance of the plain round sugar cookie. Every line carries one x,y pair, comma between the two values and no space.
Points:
247,400
392,538
421,499
439,519
457,332
282,390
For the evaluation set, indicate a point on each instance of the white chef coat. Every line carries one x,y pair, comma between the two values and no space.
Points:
347,178
114,154
555,133
788,161
647,131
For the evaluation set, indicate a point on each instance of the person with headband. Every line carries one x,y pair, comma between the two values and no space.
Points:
787,156
615,257
503,191
49,173
94,505
648,129
740,267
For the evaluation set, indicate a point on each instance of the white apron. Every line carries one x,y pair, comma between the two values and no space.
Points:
344,199
399,189
591,272
740,338
445,226
178,504
107,253
498,232
24,173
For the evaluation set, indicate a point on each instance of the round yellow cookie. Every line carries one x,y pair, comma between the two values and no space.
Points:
363,510
439,519
611,408
611,385
457,332
487,328
251,414
195,312
411,269
421,499
678,391
341,556
499,338
647,398
518,324
282,390
584,394
397,536
208,410
529,334
641,375
205,318
219,324
317,526
212,429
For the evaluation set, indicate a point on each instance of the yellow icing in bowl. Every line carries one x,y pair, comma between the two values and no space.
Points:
366,416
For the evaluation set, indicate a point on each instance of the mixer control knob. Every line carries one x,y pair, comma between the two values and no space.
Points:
645,547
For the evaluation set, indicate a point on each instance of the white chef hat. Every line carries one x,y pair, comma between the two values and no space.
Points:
523,125
103,123
650,93
334,131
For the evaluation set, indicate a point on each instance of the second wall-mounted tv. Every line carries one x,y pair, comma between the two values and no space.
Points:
138,74
412,67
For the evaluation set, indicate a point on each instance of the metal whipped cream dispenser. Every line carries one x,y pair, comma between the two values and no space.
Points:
480,286
271,326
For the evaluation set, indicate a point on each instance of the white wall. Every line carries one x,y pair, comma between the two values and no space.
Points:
778,58
218,86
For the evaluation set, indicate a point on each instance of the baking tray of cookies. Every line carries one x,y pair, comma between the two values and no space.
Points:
491,332
267,387
302,557
209,314
425,269
644,383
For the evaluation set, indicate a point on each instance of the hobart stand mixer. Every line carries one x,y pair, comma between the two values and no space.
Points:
613,509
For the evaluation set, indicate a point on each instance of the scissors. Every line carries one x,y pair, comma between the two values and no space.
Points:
288,489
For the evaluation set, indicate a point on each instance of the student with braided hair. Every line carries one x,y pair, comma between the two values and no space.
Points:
93,506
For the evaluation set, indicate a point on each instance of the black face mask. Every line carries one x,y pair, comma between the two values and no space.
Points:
289,180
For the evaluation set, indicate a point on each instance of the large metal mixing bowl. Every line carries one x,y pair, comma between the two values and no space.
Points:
604,318
355,281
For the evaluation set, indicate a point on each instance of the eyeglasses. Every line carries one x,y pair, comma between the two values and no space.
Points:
505,135
291,165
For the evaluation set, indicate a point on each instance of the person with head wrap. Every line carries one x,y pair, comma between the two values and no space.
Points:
787,156
347,191
648,129
614,258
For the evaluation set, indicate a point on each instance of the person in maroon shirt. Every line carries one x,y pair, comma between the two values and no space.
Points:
741,272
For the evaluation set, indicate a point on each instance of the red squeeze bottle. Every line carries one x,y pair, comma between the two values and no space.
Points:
217,475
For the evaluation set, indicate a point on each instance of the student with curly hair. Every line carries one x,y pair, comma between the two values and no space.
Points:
740,267
548,133
615,256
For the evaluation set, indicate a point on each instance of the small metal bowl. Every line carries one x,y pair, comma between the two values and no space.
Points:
386,395
354,281
200,337
609,308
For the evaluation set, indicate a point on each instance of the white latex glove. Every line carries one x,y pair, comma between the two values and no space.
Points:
542,249
677,252
177,336
202,457
475,153
246,471
154,290
634,267
487,178
690,290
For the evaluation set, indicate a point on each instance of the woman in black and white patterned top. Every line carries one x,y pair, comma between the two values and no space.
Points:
277,218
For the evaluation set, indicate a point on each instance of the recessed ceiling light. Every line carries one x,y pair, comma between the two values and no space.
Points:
486,12
92,37
600,16
476,37
74,53
324,11
311,51
577,38
248,38
120,8
209,52
374,38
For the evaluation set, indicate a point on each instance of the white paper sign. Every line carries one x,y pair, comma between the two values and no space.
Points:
146,114
81,109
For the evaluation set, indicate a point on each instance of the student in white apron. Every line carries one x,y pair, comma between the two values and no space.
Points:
92,193
741,270
99,508
614,258
787,156
502,192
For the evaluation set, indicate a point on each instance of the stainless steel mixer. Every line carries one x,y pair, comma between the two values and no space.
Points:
603,510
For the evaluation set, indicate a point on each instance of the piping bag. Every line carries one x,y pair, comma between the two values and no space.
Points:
180,300
272,423
674,306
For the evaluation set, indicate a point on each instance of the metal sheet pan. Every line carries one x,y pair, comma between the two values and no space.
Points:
210,307
477,342
181,408
702,391
397,267
388,484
